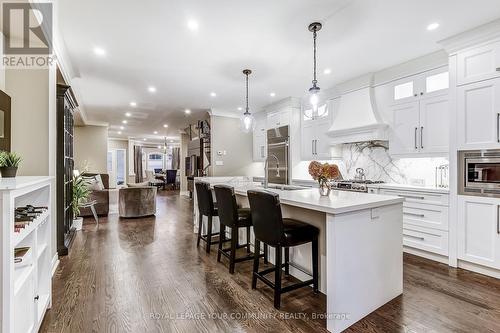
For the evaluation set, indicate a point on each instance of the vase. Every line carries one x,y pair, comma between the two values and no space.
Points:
8,172
324,189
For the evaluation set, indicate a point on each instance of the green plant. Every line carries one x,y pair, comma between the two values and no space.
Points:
9,159
80,194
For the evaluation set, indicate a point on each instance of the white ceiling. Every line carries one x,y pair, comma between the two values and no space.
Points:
148,43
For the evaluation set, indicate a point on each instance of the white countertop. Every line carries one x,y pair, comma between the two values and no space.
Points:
337,202
394,186
21,182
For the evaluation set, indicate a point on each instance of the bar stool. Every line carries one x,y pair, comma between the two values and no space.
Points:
272,229
234,218
206,207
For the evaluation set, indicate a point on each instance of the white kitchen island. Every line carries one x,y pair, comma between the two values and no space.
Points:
361,250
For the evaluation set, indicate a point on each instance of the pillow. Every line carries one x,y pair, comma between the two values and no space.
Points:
94,183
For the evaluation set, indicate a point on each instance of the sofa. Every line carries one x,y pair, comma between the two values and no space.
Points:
101,196
137,201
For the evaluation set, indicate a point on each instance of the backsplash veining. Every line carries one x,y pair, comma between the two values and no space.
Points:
379,165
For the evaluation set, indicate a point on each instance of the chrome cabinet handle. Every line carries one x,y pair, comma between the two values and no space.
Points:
316,147
422,137
498,69
416,129
498,220
416,237
413,214
498,127
410,197
312,147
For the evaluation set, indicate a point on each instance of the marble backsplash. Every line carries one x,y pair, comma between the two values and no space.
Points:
379,165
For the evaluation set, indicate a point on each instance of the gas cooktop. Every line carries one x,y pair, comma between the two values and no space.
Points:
354,185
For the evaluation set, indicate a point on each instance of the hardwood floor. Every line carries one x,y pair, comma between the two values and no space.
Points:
146,275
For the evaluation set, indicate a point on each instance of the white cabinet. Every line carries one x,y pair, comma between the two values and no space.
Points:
315,141
278,118
428,84
478,107
260,138
479,63
479,230
420,127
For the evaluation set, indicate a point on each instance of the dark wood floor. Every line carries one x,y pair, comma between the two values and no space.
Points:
146,275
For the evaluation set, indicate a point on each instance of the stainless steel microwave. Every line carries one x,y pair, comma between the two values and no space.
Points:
479,173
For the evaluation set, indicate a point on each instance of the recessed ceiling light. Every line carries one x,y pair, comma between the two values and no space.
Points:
272,94
327,71
119,132
171,140
192,25
128,114
165,125
433,26
99,51
152,89
144,139
124,121
155,132
122,128
240,108
213,94
187,111
159,147
133,104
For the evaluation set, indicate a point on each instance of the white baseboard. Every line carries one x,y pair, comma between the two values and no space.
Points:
427,255
479,269
55,263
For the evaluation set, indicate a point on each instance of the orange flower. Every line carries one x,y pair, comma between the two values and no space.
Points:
323,172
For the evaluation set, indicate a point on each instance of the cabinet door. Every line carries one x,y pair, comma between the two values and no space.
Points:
404,135
478,230
322,146
308,141
434,125
259,147
479,115
480,63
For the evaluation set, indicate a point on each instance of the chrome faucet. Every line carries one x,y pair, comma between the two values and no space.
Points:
266,166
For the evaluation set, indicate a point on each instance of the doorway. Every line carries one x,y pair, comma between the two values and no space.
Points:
117,168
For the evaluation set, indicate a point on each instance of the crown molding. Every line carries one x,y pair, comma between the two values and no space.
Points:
478,35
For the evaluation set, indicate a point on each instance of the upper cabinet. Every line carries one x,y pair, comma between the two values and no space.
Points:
479,63
424,85
315,142
278,118
478,108
260,137
420,127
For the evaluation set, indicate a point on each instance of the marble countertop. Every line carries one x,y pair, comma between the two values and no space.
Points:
394,186
338,202
21,182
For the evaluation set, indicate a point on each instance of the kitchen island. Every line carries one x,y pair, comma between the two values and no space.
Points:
361,265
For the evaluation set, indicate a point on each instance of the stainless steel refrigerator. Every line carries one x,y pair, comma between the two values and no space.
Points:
278,155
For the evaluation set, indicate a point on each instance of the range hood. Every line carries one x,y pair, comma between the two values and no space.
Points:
357,119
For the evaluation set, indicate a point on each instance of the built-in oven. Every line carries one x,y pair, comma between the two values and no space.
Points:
479,173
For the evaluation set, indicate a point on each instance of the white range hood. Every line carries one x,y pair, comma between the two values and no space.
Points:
357,119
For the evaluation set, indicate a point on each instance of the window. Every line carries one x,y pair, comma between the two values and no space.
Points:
403,90
155,161
322,112
437,82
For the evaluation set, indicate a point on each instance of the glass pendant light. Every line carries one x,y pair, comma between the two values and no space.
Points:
314,104
247,121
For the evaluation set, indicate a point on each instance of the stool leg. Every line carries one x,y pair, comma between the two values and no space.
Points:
315,259
209,233
256,253
200,225
277,278
287,260
222,237
234,242
265,253
248,240
96,218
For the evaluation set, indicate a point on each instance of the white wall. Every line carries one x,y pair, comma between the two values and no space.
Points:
91,148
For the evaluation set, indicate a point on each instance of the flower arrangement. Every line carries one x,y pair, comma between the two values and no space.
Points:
322,173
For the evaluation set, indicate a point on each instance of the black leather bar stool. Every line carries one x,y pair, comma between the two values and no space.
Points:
272,229
234,218
206,207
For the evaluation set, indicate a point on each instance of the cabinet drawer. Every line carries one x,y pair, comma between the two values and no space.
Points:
424,215
419,197
431,240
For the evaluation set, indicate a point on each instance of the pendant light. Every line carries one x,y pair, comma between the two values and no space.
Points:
247,120
313,104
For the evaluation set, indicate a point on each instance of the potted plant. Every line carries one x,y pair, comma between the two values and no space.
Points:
323,173
80,194
9,162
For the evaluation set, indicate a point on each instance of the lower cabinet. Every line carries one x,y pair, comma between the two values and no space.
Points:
479,230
